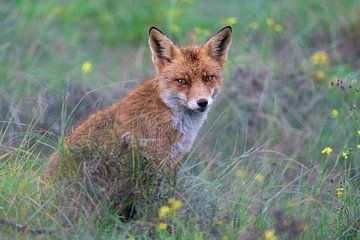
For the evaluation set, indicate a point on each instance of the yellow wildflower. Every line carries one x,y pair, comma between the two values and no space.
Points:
269,22
254,25
230,21
174,12
358,132
86,67
334,113
345,154
358,146
319,75
320,58
202,32
241,173
162,226
270,235
339,191
327,150
174,204
260,178
278,28
164,210
174,28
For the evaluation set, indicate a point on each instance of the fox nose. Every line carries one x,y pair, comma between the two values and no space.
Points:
202,102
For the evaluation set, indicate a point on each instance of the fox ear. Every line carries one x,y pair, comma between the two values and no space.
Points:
162,48
218,46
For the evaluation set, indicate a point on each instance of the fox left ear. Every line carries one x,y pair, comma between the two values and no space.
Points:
162,48
218,46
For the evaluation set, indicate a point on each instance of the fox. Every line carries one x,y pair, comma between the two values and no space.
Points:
165,112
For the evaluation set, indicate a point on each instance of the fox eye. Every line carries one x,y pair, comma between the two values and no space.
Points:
181,81
209,78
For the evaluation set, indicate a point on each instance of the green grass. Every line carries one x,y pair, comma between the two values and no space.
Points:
257,164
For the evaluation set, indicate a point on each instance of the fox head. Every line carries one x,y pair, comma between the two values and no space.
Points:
190,77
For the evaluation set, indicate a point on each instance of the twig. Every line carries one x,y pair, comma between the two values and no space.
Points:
5,155
25,228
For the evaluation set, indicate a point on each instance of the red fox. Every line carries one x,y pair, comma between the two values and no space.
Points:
165,112
163,115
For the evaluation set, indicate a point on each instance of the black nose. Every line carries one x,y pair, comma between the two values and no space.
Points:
202,102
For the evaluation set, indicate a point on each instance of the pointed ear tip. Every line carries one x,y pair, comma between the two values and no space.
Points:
151,29
229,28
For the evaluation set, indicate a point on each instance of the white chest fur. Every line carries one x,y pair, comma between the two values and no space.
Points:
187,123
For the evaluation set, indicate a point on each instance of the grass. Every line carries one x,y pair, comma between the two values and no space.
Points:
256,170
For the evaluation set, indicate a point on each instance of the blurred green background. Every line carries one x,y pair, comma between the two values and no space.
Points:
279,155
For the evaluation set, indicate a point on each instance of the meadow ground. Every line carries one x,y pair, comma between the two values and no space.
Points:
278,157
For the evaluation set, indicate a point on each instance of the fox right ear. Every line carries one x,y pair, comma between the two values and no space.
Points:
162,48
218,45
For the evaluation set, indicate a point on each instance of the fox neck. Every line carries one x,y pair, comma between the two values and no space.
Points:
187,123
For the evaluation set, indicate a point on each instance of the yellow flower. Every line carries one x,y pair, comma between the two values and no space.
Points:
260,178
345,154
270,235
164,210
327,150
241,173
162,226
320,58
230,21
174,12
358,132
339,191
174,28
334,113
202,32
319,75
174,204
254,25
278,28
269,22
87,67
358,146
